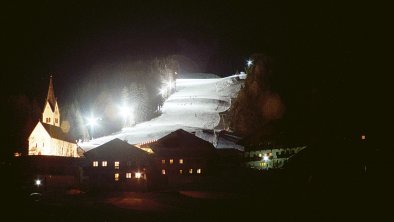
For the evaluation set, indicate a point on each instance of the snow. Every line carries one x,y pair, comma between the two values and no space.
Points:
194,106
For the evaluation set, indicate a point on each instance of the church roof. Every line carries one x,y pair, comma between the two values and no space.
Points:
51,99
57,133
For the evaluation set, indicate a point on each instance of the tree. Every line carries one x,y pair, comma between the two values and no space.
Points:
257,108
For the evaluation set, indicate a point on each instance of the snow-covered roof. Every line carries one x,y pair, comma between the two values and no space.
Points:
195,105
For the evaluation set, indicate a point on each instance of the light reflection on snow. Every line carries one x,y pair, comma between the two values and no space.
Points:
195,105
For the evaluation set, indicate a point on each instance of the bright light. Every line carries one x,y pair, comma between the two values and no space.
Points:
137,175
38,182
124,111
265,158
170,84
163,91
92,121
249,62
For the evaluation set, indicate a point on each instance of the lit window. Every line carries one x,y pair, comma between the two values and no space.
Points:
163,171
128,175
163,161
116,164
190,171
116,176
180,161
137,175
171,161
104,163
95,163
180,171
198,171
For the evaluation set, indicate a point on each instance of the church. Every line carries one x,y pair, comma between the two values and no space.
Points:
48,138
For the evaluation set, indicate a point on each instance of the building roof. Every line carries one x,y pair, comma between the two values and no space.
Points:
116,149
51,99
181,142
57,133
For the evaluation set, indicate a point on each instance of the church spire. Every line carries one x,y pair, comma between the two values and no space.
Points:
51,94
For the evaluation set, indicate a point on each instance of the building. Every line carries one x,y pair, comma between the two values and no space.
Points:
270,158
118,165
48,138
183,158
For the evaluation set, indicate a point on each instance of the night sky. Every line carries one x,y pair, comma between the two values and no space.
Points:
323,52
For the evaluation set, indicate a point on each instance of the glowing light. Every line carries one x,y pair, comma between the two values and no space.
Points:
92,121
138,175
163,91
124,111
249,62
38,182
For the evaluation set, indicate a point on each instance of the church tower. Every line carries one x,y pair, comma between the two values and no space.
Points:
51,114
47,138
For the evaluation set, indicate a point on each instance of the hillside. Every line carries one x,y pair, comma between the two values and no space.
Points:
195,105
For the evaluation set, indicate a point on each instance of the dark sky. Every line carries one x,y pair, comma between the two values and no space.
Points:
68,38
331,52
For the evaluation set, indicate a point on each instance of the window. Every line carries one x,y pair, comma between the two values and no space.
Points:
137,175
128,175
104,163
198,171
116,176
180,171
171,161
190,171
180,161
163,171
116,164
95,163
163,161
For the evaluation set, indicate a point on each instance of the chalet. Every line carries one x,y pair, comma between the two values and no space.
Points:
48,138
182,157
118,165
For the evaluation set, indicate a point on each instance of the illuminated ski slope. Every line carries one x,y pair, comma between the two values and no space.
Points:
195,105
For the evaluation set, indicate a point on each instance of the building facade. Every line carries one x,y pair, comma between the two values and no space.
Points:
118,165
270,158
183,158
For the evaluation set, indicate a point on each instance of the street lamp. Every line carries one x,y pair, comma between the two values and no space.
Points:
126,113
92,122
37,182
249,62
266,159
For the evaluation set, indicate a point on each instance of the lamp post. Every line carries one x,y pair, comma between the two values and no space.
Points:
92,122
266,159
249,62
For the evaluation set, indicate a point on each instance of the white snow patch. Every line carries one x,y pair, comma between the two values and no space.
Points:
195,105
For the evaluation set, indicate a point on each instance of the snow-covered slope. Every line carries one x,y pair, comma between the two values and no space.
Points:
195,105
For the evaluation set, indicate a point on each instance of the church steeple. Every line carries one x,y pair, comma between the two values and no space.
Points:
51,114
51,94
